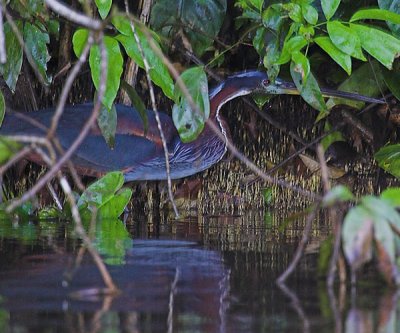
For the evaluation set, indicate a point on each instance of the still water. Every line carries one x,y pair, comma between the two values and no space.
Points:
208,274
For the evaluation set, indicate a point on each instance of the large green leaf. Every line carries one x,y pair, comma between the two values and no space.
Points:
36,41
116,205
309,90
159,73
381,45
189,122
199,21
11,69
107,121
291,45
79,40
104,7
310,14
388,158
329,7
341,58
114,68
392,196
394,7
366,80
376,14
345,39
7,149
301,65
101,191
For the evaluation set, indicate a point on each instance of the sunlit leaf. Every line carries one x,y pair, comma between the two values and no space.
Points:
199,21
301,65
101,191
291,45
294,11
7,149
137,103
36,41
394,7
310,91
272,17
336,194
11,69
114,69
79,40
107,121
392,196
116,205
341,58
104,7
376,14
188,122
159,73
381,45
357,235
388,159
345,39
310,14
329,7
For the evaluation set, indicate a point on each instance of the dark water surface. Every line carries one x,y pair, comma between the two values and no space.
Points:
214,274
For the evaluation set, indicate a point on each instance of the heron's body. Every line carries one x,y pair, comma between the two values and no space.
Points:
140,155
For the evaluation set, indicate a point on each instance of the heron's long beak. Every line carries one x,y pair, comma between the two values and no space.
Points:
289,88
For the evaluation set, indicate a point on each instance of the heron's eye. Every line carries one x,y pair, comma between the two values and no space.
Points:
266,82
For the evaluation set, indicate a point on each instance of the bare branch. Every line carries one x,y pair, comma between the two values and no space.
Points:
74,16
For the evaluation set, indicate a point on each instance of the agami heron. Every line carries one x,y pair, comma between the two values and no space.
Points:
139,154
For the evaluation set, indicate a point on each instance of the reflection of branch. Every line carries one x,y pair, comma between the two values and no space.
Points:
154,106
296,306
300,248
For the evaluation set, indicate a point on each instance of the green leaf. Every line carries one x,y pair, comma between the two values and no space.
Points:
309,90
101,191
7,149
376,14
301,65
116,205
137,103
36,41
159,73
310,14
114,68
381,210
291,45
104,7
365,80
388,158
79,40
107,121
188,122
329,7
392,196
357,236
338,193
394,7
381,45
345,39
11,69
294,11
341,58
199,21
272,17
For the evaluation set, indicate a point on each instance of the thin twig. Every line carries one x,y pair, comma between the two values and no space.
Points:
3,55
300,248
156,114
323,168
74,16
233,150
84,131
